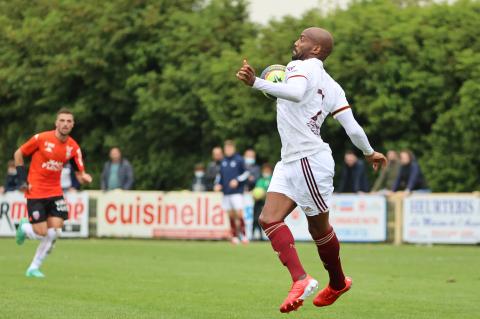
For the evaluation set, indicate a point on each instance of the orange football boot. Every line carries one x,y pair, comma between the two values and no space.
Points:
300,290
328,295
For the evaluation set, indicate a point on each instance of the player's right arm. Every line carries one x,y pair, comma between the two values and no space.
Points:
26,149
293,90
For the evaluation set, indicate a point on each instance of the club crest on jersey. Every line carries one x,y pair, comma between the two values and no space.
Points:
49,147
52,165
313,123
233,164
69,152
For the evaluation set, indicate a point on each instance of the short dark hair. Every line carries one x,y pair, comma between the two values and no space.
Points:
199,166
409,153
229,142
64,110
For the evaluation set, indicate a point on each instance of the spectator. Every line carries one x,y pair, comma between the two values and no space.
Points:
259,195
198,184
388,175
410,177
117,172
11,181
250,158
213,168
354,177
68,180
231,181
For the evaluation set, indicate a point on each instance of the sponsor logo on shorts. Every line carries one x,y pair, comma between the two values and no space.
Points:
36,215
61,205
307,209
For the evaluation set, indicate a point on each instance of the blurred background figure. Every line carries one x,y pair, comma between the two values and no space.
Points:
198,184
213,168
68,180
259,194
117,172
388,175
354,178
11,181
231,181
250,158
410,177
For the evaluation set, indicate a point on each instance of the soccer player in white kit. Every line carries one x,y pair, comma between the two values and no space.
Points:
304,176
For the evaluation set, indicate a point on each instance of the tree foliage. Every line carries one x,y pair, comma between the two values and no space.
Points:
156,77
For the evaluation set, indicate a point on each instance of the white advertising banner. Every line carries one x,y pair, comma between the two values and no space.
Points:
355,218
13,207
149,214
443,219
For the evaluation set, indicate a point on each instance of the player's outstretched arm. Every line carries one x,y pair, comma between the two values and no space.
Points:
293,90
21,171
359,139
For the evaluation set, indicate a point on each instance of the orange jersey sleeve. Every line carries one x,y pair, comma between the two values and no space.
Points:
30,146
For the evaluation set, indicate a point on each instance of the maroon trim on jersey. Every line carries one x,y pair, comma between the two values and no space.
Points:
343,108
297,76
312,185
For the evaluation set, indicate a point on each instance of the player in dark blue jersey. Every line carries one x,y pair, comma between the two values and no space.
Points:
231,181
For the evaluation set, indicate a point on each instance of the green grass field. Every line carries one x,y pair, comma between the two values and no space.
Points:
186,279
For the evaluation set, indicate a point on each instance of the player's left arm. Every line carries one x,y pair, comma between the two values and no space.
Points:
82,176
293,90
244,173
359,138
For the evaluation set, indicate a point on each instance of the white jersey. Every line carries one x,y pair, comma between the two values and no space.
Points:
299,123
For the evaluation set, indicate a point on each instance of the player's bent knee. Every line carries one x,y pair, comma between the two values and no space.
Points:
54,233
40,231
265,219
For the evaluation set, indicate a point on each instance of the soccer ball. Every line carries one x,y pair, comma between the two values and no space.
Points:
258,193
274,73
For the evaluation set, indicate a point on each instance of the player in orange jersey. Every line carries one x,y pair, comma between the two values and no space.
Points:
45,203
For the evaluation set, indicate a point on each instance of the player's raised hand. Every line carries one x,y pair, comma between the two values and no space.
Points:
377,160
246,74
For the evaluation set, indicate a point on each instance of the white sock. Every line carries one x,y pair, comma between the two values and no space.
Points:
28,230
45,247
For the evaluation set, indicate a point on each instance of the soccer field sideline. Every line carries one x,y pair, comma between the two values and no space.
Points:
112,278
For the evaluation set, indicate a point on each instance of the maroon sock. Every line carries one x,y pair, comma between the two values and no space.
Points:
233,226
282,242
242,227
329,250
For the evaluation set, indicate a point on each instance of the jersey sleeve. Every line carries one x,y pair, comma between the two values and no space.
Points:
243,172
31,145
79,159
296,69
336,100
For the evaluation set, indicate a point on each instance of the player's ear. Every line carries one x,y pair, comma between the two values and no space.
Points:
316,50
